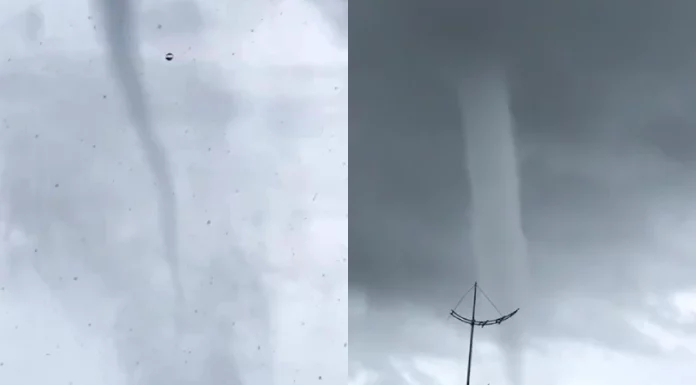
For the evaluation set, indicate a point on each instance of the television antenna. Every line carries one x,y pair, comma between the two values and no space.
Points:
474,322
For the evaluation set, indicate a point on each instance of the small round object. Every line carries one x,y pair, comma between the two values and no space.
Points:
169,56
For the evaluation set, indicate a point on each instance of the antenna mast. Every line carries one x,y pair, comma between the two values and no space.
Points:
473,322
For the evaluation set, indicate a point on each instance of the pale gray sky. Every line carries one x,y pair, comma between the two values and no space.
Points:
601,94
252,114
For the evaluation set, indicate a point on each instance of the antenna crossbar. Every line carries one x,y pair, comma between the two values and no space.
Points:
473,322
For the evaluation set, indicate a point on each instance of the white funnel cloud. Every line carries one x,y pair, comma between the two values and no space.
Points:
499,244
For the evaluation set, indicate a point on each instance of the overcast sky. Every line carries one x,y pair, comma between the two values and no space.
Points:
252,116
601,96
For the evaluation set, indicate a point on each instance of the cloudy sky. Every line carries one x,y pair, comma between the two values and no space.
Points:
251,116
600,95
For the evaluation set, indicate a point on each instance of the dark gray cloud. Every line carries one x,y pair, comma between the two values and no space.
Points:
601,95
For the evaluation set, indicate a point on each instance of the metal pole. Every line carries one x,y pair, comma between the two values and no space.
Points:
471,337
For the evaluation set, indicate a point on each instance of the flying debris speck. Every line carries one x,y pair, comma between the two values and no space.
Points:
169,56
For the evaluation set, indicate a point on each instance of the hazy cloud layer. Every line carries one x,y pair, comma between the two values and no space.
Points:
601,95
260,176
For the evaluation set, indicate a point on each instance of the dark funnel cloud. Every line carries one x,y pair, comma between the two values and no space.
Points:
120,36
600,96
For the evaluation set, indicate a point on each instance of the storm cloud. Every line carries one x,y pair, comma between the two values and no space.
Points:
601,96
260,177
